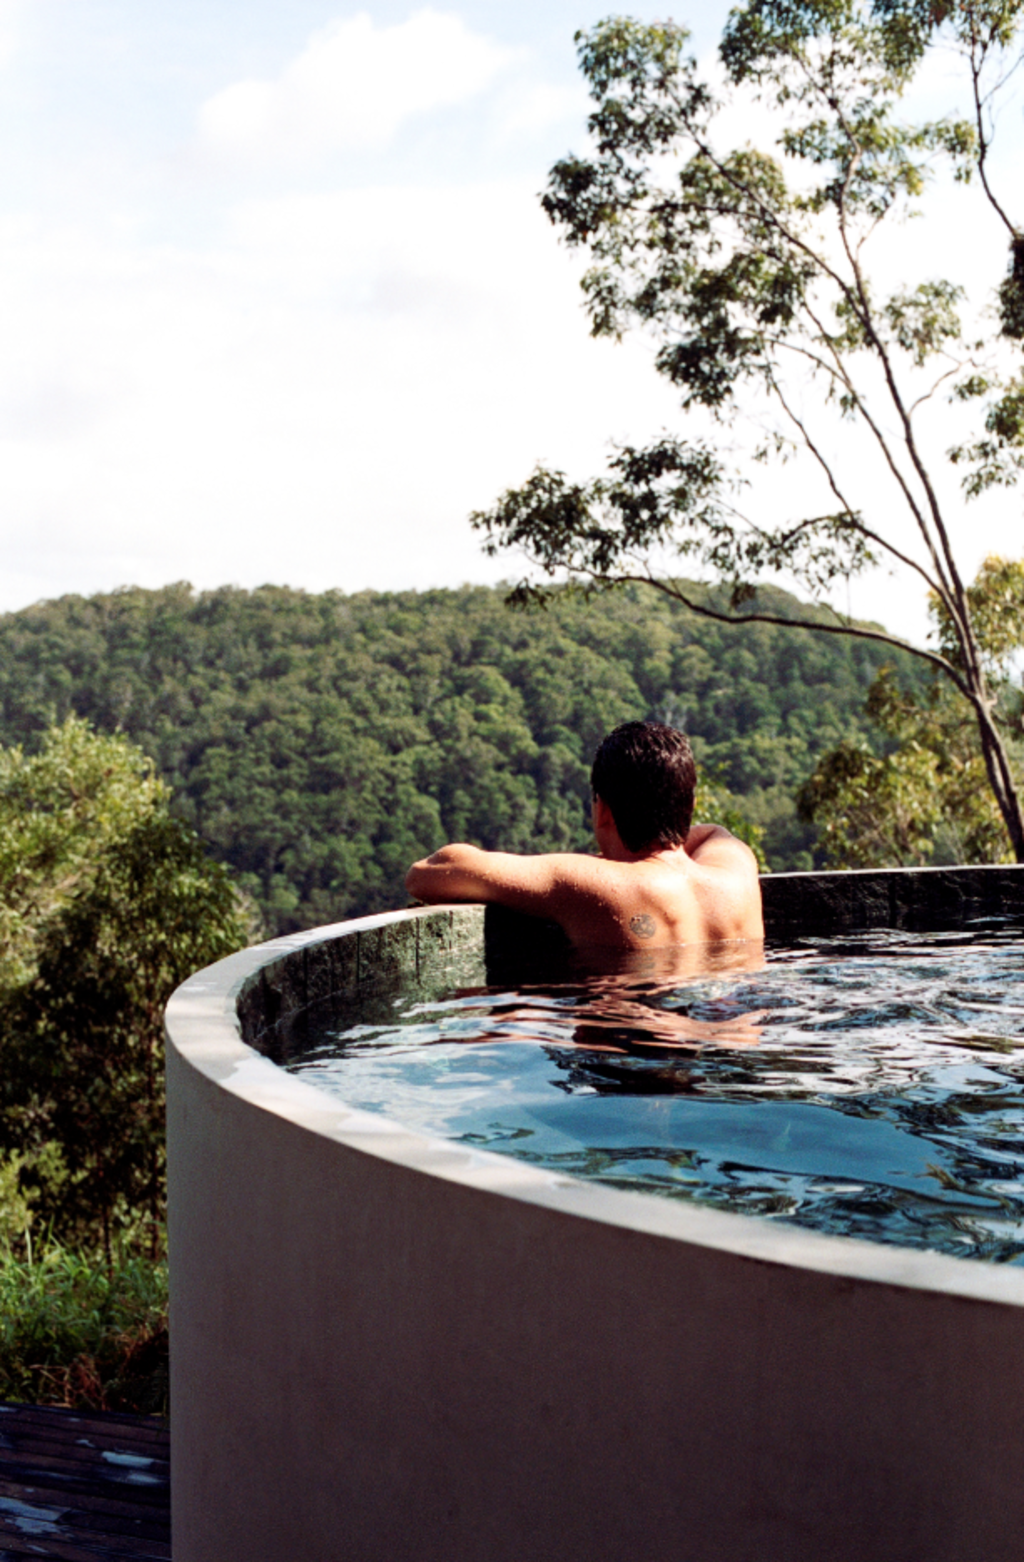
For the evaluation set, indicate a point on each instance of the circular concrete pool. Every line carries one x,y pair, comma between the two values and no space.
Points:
387,1346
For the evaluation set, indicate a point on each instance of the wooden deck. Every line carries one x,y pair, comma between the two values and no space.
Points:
82,1486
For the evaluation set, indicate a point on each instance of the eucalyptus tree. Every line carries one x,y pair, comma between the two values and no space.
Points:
758,273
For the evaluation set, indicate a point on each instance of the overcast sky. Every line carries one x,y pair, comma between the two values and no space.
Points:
278,302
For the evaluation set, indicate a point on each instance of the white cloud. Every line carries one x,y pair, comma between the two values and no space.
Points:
11,13
320,400
352,87
539,106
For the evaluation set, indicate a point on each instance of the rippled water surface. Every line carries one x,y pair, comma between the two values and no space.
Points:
870,1087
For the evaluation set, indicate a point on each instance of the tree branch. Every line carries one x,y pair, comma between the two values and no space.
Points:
983,140
944,587
670,589
865,531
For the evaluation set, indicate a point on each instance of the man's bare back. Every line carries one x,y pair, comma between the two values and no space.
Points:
704,891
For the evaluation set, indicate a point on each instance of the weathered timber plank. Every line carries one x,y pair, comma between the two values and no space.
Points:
83,1486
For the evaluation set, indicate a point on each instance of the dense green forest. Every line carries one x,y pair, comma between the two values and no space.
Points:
319,743
107,902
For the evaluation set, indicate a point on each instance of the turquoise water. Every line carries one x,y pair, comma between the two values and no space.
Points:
870,1087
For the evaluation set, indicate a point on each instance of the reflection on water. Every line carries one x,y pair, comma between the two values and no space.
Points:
626,1001
870,1087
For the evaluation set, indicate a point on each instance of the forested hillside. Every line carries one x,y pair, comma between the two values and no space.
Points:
319,743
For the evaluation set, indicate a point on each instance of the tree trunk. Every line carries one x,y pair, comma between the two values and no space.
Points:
1000,774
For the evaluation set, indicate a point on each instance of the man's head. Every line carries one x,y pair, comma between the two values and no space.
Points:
645,773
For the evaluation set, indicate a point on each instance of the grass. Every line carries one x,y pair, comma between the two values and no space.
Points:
77,1334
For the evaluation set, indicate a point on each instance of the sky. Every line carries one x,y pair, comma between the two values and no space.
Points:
278,302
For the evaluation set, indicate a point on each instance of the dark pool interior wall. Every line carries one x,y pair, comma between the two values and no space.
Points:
798,905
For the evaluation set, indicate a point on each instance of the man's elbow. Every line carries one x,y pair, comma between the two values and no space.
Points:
446,875
417,880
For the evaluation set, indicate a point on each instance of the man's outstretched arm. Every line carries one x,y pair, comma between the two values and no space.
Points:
459,872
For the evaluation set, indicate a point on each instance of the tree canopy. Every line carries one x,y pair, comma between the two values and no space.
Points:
318,744
752,267
926,798
108,903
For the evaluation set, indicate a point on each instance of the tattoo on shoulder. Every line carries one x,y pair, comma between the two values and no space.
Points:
643,926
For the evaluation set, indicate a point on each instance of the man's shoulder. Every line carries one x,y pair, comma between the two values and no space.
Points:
715,846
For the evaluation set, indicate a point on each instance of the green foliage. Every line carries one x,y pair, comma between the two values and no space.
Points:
1011,292
922,320
15,1203
750,268
319,744
928,799
22,1177
926,802
997,610
994,460
109,902
60,810
77,1332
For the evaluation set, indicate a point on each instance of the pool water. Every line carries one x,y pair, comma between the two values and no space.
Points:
868,1087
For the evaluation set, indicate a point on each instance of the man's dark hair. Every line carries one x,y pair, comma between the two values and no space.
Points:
646,774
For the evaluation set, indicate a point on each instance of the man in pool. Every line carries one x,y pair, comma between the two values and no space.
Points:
659,880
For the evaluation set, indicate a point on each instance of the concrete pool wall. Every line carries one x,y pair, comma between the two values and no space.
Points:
387,1348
